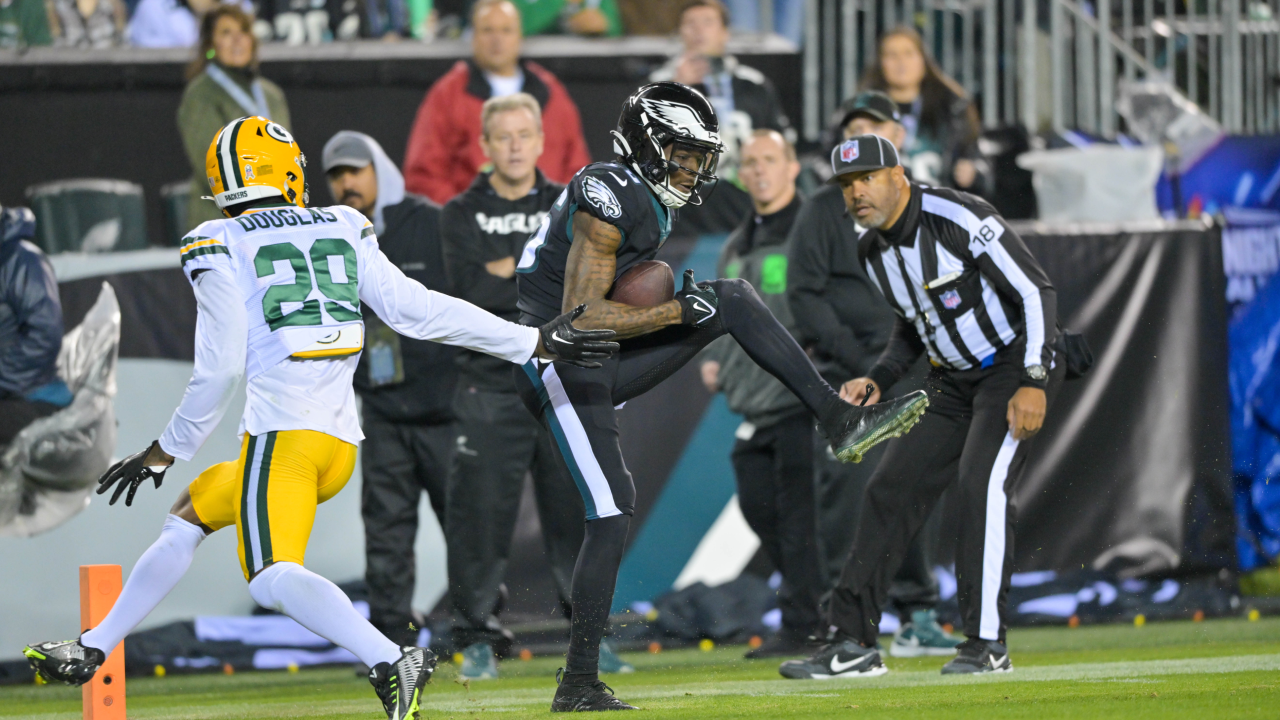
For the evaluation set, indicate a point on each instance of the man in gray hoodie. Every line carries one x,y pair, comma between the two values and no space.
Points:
772,456
406,385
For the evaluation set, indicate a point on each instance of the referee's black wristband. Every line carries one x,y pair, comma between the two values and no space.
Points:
1028,381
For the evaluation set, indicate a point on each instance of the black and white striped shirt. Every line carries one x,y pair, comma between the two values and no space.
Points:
962,282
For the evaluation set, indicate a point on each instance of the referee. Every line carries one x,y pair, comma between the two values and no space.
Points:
967,291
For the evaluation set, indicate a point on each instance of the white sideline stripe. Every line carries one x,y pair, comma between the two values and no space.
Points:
723,552
993,545
255,472
579,445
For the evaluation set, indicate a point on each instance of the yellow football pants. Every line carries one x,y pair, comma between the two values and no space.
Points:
270,494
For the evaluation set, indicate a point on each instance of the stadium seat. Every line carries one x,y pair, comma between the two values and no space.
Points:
173,206
89,215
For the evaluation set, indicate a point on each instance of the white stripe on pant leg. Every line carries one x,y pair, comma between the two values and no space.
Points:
255,472
580,445
994,543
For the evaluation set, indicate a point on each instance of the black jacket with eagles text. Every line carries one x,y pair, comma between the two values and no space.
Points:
411,240
479,227
610,192
963,285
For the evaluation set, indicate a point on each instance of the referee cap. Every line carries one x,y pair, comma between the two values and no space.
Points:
860,154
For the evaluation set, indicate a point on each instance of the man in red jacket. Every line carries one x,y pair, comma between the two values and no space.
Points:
444,154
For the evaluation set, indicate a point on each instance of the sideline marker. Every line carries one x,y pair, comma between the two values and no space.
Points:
103,696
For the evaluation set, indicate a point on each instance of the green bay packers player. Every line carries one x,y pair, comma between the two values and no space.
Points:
280,291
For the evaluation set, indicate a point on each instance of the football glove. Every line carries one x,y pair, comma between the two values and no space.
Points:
130,473
584,348
698,301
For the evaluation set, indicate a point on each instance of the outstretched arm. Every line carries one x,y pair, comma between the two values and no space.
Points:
588,276
416,312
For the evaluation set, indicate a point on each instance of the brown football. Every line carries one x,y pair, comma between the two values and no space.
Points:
645,285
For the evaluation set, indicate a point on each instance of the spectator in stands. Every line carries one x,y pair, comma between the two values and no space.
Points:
844,323
743,98
787,17
24,23
444,153
170,23
30,329
89,24
222,85
941,123
650,17
772,456
591,18
406,385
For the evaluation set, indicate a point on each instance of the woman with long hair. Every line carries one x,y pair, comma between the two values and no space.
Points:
941,122
222,84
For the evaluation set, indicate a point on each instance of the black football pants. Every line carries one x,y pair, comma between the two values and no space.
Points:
498,442
577,406
398,462
839,489
966,423
774,472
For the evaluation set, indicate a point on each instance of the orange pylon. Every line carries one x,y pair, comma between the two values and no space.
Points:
103,696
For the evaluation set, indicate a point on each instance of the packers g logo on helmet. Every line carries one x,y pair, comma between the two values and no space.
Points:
253,158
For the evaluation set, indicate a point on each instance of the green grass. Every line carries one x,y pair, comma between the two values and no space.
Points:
1213,669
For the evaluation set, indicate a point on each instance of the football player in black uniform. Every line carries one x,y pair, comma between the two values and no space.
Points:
611,217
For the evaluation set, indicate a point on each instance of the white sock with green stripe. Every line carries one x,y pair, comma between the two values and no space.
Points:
153,576
321,607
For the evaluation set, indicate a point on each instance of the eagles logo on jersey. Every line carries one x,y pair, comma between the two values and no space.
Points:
599,194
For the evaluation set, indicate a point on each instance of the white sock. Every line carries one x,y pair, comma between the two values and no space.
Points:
157,571
321,607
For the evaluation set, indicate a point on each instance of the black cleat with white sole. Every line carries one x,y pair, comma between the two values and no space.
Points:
860,428
596,697
836,660
976,655
66,662
399,685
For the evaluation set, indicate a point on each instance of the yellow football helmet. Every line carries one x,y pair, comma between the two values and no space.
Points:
252,158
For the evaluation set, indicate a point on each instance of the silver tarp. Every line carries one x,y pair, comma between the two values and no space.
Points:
47,473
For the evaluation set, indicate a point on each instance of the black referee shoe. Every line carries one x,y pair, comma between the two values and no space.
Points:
976,655
860,428
836,660
596,697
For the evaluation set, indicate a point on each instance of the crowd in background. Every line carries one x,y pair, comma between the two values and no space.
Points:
175,23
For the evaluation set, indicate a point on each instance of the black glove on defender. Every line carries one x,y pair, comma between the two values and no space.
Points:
566,343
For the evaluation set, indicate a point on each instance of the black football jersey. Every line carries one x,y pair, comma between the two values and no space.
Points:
609,191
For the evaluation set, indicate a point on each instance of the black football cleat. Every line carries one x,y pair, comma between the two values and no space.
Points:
399,686
597,697
860,428
836,660
976,655
66,662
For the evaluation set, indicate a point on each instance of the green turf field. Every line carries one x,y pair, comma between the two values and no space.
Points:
1208,670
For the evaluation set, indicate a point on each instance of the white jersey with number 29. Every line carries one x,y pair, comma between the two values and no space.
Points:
280,294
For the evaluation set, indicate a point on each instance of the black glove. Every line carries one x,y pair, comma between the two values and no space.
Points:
130,473
698,301
566,343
